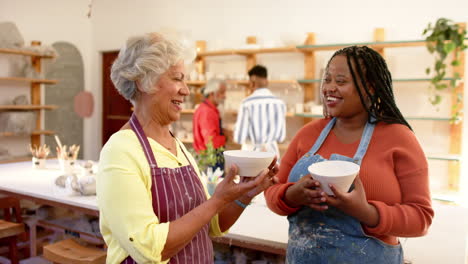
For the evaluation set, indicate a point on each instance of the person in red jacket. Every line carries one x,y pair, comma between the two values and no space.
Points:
207,120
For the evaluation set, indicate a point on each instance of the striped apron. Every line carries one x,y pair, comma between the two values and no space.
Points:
175,192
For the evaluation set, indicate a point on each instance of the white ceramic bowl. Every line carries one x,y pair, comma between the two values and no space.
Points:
250,163
339,173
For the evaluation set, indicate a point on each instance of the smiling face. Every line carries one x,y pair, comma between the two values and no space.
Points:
339,92
171,91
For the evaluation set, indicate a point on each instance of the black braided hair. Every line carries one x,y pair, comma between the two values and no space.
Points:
373,73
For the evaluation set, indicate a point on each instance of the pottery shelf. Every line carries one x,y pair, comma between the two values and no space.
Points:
444,157
244,52
16,159
308,48
241,82
372,44
394,80
302,81
36,103
118,117
228,112
314,47
421,118
311,81
30,80
34,133
27,107
25,53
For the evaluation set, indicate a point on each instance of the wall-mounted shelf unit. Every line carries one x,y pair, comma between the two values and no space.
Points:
35,86
310,83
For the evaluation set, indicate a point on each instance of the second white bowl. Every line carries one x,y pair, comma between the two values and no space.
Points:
337,172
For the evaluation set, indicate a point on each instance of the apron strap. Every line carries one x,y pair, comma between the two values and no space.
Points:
323,135
180,146
136,127
364,144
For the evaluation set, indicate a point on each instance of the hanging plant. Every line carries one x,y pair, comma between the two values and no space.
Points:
444,39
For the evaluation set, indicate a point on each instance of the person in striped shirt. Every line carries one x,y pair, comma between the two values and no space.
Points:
261,121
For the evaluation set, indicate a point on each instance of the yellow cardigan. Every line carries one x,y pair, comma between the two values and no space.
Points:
125,202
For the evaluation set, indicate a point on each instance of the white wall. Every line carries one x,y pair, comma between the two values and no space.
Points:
221,23
51,21
225,24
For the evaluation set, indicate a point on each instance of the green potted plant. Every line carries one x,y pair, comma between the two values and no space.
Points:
209,157
206,159
445,39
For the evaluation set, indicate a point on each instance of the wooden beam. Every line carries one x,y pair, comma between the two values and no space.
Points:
379,36
456,128
309,69
36,96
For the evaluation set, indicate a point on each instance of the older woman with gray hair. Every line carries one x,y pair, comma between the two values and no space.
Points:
207,126
153,206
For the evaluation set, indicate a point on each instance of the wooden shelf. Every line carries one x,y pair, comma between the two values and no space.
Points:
422,118
283,146
444,157
243,82
118,117
27,107
394,80
217,53
318,47
16,159
290,49
195,83
186,141
35,85
25,53
428,118
188,111
311,81
30,80
450,197
373,44
244,52
229,112
34,133
308,115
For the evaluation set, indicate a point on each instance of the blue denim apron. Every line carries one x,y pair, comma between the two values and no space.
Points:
332,236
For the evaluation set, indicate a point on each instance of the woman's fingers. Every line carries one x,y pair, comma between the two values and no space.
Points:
318,207
232,173
260,178
358,184
311,183
250,184
273,163
274,180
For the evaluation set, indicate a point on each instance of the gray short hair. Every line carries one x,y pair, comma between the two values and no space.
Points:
143,59
212,86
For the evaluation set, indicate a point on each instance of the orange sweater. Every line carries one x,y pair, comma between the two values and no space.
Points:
393,171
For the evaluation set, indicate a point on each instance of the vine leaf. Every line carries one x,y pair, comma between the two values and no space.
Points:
444,39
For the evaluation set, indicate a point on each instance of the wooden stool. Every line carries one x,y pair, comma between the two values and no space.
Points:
69,252
10,231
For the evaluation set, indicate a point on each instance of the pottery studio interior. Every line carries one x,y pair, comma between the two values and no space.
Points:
157,131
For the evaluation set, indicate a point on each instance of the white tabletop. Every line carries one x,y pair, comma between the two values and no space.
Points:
256,223
21,179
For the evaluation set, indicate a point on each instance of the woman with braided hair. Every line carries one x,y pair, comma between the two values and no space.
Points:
390,197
